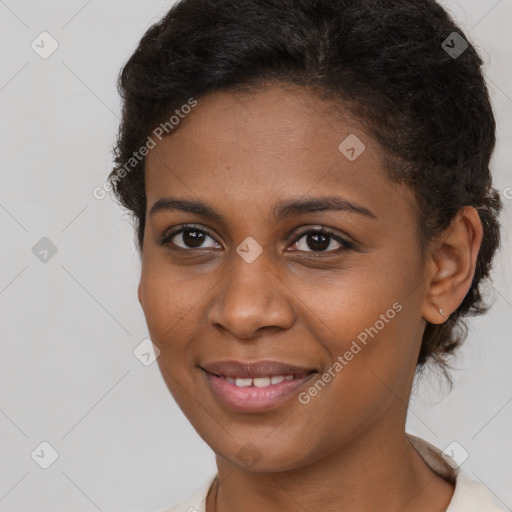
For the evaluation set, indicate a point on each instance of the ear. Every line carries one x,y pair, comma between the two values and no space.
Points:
451,265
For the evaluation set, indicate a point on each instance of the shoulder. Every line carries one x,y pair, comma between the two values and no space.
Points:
469,495
472,496
196,502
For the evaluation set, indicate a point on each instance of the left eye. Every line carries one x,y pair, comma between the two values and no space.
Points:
319,241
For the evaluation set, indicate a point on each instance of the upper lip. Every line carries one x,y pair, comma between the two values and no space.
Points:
267,368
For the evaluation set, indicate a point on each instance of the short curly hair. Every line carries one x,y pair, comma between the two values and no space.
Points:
387,61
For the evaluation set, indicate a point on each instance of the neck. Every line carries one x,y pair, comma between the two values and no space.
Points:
366,473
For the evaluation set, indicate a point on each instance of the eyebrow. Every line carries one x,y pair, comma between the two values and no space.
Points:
281,210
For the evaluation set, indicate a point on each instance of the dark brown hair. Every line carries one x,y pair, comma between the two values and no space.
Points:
392,63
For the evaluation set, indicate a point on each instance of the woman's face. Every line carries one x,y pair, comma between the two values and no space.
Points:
251,285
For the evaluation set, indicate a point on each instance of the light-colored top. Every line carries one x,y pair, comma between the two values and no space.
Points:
469,495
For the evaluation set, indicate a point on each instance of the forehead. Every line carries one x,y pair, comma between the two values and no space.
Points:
279,142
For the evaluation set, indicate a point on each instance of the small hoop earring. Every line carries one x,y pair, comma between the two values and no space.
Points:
441,311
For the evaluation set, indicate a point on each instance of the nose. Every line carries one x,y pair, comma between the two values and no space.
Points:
251,298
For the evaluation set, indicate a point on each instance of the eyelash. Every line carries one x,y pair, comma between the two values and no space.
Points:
166,239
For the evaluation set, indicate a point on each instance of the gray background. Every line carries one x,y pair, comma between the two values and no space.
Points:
69,325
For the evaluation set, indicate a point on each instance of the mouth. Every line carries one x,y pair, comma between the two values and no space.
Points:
255,386
256,369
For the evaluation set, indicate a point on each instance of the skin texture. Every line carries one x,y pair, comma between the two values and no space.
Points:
346,449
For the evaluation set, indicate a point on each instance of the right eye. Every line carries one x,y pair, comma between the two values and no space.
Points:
187,237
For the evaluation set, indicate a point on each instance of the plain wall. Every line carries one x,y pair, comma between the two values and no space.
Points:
68,375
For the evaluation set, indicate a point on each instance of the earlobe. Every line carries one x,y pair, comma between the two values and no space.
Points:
452,263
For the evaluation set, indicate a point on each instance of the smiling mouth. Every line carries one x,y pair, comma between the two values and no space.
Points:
269,386
256,374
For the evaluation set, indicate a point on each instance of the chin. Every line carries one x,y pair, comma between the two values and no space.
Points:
261,454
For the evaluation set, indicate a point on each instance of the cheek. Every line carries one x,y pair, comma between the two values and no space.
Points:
351,303
169,301
365,382
162,313
170,308
372,332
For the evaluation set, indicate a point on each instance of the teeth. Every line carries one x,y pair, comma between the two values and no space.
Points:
243,383
259,382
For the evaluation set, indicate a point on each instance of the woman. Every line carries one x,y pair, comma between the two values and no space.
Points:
315,214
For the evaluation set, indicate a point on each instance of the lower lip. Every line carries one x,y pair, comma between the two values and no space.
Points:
253,399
